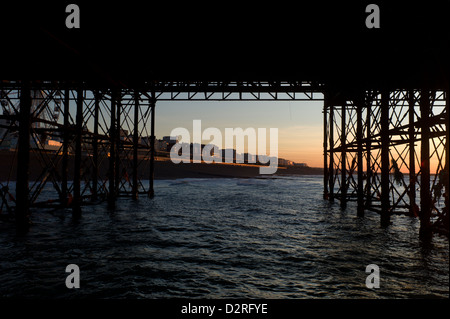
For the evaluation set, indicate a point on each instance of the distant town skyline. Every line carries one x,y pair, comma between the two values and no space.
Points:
299,123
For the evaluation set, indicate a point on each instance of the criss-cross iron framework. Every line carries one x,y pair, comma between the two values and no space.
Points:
105,139
388,151
106,133
380,145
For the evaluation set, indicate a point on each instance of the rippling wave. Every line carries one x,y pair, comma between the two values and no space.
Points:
223,238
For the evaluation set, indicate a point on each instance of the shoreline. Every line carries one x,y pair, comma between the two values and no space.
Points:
168,170
164,169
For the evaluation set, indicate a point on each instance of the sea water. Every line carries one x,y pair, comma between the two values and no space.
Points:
222,238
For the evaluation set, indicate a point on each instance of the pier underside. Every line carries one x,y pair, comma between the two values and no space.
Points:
95,91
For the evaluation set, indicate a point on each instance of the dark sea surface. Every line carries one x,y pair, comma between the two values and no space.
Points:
222,238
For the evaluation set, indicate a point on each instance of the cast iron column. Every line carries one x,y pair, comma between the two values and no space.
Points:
412,160
425,195
66,142
359,140
447,159
135,146
325,150
118,173
151,191
23,160
385,166
343,157
331,170
76,212
95,147
368,103
112,153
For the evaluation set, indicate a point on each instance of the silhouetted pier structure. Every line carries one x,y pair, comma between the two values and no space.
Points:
370,138
385,94
378,149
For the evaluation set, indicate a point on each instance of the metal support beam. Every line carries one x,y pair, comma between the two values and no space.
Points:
384,124
343,157
412,160
65,155
151,191
325,149
135,190
23,160
381,134
425,195
95,147
112,152
447,161
368,103
118,173
76,212
359,138
331,169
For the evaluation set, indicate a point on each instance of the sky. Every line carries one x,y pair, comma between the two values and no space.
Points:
299,123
